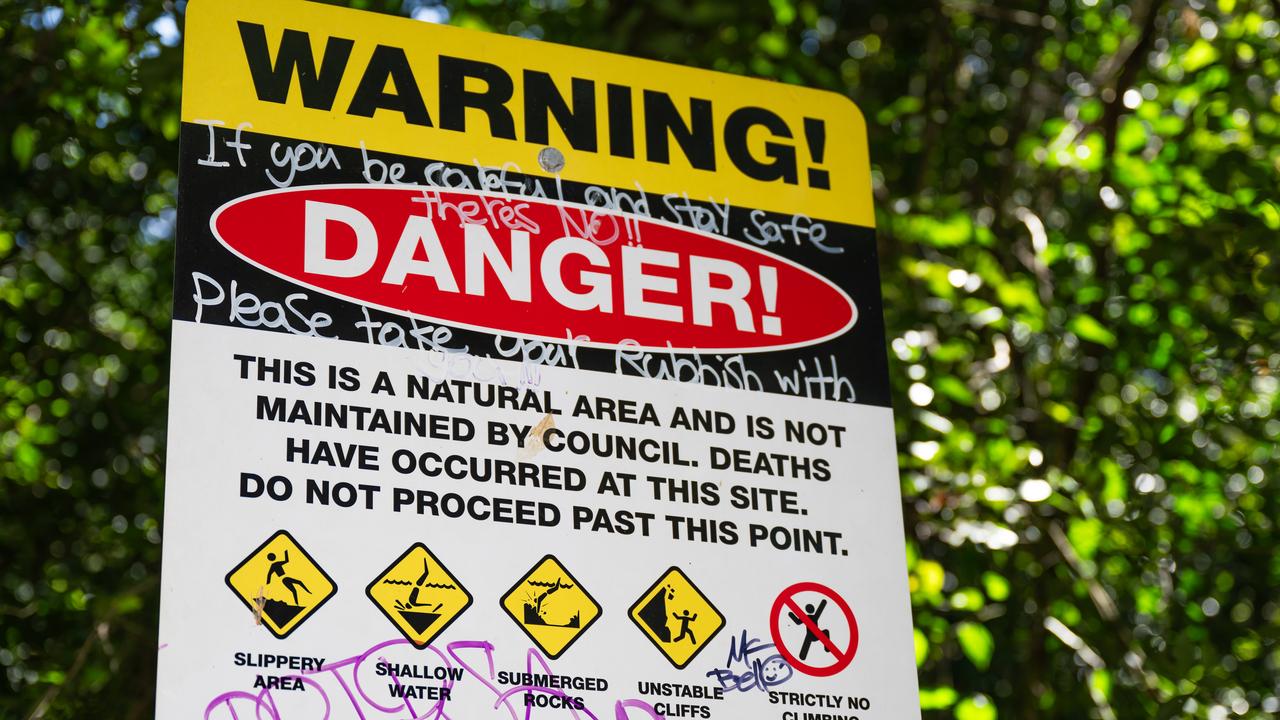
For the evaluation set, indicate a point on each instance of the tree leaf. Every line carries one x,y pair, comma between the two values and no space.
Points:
976,642
1090,329
978,707
23,145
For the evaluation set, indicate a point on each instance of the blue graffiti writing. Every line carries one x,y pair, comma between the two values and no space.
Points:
751,665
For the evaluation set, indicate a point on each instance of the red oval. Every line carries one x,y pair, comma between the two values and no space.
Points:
704,293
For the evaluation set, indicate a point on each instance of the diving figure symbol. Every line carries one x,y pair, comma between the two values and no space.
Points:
419,595
412,603
417,609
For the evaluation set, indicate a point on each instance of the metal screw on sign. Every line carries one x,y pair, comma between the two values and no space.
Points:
551,159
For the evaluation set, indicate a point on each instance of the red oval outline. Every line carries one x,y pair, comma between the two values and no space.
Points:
853,307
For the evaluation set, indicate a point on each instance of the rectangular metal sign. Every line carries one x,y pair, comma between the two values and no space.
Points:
515,380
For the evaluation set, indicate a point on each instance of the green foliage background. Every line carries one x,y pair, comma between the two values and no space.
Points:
1078,216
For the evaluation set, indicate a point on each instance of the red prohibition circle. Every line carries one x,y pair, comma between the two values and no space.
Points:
785,602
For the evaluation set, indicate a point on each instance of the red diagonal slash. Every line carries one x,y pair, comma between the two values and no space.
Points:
813,627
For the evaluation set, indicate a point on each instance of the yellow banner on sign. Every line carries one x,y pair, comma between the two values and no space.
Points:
313,72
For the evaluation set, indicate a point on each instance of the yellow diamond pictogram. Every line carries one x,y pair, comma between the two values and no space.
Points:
419,595
281,584
676,617
551,606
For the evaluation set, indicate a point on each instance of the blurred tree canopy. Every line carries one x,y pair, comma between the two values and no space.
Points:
1078,218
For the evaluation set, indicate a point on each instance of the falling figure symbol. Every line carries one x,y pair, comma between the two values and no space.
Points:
290,584
685,619
412,603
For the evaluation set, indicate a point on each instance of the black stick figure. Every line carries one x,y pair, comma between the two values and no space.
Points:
412,603
277,566
290,584
685,619
809,634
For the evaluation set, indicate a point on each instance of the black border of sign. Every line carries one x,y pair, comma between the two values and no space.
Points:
307,555
631,614
525,576
368,591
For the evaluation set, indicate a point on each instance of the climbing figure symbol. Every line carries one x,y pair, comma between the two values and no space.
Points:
810,636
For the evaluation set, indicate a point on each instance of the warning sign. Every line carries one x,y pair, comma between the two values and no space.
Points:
676,617
281,584
551,606
808,641
418,595
502,329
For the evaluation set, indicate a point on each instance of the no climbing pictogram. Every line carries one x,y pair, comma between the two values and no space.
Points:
810,636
